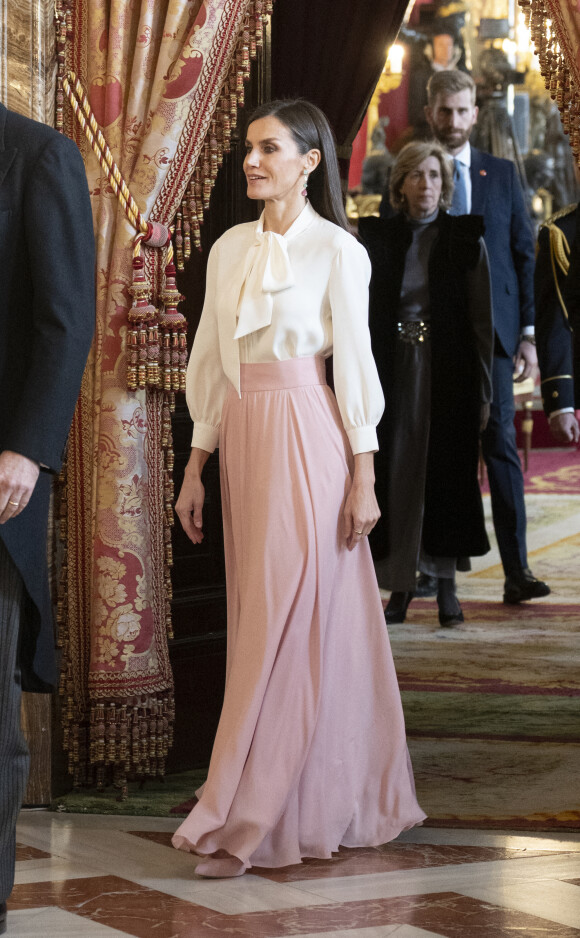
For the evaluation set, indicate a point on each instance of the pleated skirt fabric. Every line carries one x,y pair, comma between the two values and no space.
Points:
310,751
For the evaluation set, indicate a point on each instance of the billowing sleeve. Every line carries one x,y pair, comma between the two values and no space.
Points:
356,381
206,384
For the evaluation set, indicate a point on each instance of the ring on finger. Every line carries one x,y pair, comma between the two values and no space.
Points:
16,504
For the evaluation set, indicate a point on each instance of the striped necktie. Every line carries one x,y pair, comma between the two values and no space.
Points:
459,201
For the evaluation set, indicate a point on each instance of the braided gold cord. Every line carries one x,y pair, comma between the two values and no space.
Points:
560,248
137,244
559,254
86,118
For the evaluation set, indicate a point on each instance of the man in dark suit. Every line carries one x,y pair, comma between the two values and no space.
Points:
556,288
46,326
488,186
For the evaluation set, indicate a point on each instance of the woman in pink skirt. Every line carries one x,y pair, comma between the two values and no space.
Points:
310,751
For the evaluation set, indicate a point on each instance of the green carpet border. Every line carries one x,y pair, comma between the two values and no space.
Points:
151,798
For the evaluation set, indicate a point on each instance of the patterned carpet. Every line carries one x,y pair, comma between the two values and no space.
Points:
492,707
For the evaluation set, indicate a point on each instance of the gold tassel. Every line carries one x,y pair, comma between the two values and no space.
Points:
218,139
557,77
173,328
140,348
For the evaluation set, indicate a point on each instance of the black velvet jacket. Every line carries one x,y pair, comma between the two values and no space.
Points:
461,349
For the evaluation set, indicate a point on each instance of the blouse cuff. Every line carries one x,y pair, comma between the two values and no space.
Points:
205,436
363,439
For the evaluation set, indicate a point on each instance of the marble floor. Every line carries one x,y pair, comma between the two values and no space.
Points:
91,876
104,876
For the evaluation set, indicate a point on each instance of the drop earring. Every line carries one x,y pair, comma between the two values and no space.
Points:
305,185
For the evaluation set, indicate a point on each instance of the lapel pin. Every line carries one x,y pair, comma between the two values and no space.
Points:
483,172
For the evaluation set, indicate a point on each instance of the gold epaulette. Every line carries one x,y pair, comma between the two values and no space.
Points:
559,249
561,213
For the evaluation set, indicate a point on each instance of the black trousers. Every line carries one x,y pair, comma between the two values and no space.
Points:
504,470
14,757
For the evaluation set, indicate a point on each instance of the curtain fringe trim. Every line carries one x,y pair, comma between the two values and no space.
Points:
118,740
113,740
195,203
552,43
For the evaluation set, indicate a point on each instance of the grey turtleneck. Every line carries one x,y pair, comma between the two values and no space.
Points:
414,302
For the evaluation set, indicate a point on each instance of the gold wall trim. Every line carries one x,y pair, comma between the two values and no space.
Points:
28,61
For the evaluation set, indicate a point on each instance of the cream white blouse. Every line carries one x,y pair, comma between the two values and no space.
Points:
273,297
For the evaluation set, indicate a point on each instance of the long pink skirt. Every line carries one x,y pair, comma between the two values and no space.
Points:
310,750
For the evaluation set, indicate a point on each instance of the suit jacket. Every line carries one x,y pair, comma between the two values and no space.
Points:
553,329
497,196
47,316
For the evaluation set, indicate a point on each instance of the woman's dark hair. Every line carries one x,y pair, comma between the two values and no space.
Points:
311,131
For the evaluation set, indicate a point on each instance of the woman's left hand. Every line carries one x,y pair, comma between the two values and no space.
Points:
361,509
361,513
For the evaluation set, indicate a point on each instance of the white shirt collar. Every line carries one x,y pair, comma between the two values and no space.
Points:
464,155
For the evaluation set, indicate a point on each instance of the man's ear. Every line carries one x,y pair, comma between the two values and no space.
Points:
429,114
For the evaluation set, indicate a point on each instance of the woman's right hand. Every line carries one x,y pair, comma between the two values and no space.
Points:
565,428
189,505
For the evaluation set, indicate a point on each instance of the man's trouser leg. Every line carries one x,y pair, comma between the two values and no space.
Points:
14,757
504,470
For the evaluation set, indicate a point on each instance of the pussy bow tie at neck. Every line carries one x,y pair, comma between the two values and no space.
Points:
266,271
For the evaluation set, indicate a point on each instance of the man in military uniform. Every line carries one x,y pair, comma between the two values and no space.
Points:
555,287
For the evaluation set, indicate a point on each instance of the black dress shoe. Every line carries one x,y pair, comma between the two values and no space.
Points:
426,585
396,610
2,918
450,613
448,620
523,585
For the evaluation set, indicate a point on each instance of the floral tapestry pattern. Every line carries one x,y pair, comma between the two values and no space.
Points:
154,71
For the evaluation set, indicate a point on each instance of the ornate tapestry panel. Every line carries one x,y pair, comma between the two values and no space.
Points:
154,71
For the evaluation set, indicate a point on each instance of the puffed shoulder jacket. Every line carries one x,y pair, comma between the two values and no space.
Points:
461,356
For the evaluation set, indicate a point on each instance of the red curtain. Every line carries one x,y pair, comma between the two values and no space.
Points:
164,78
332,53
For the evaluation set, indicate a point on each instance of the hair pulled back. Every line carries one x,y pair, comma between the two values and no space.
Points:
409,158
311,131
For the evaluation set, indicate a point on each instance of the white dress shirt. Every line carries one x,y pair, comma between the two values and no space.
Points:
273,297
